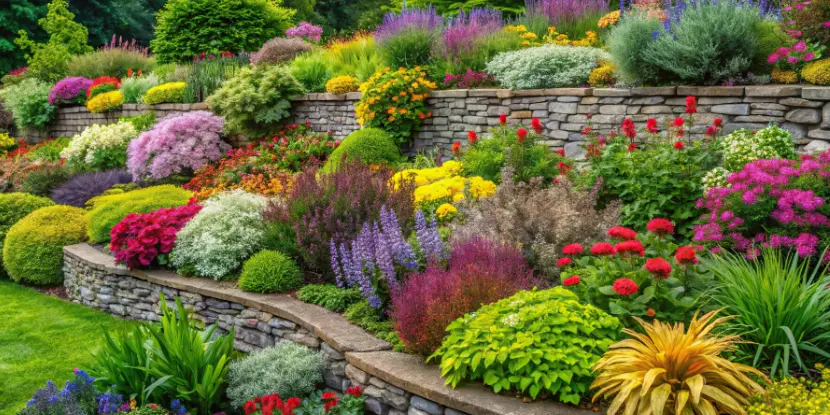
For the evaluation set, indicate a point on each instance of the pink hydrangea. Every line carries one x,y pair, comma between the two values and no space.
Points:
175,144
139,239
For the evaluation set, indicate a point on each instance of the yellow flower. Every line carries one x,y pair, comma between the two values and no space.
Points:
452,167
444,210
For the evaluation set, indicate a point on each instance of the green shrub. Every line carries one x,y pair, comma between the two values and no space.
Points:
256,99
287,369
548,66
270,272
43,181
329,296
13,207
28,101
33,249
408,48
134,88
205,76
171,92
489,156
363,315
186,28
369,145
770,37
532,342
115,62
108,210
312,71
49,150
628,43
142,122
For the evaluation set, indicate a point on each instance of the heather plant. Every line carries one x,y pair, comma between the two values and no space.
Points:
541,224
221,236
279,50
108,210
78,396
78,190
548,66
479,272
115,62
142,239
287,369
270,272
70,90
28,102
255,99
134,87
181,143
334,206
557,334
775,203
468,80
100,146
329,296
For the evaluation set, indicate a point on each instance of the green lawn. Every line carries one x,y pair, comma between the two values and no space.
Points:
43,338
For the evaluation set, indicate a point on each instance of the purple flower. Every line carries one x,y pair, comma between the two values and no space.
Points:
428,238
565,10
307,31
463,31
809,56
69,90
792,59
409,18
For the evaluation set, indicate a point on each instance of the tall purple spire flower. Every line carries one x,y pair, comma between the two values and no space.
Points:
559,11
428,238
408,18
464,30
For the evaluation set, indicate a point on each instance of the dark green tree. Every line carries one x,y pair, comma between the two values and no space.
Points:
67,37
19,15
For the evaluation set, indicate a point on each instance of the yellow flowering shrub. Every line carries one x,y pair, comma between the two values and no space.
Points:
528,38
561,39
6,142
784,77
439,185
791,396
171,92
445,211
609,19
817,73
342,84
395,101
105,102
602,75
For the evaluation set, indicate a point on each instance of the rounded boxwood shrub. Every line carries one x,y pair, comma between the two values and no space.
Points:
33,250
369,145
531,342
13,207
108,210
270,272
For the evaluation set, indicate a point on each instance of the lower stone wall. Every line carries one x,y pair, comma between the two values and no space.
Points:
73,120
394,383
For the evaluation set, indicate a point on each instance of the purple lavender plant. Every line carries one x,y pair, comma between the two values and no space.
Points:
76,397
78,190
108,403
564,10
429,241
409,17
464,30
69,90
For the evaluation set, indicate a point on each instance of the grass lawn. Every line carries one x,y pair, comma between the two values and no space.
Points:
43,338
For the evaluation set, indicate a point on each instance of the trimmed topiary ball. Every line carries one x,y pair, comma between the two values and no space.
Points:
108,210
370,145
270,272
13,207
33,251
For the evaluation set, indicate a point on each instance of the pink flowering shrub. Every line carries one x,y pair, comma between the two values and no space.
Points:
771,203
469,79
305,31
176,144
140,239
69,90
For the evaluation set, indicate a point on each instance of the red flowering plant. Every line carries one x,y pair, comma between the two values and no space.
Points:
102,84
637,274
140,240
319,403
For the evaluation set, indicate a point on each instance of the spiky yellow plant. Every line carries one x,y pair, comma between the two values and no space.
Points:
671,371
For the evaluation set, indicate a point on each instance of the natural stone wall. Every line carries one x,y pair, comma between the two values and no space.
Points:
395,383
327,112
73,120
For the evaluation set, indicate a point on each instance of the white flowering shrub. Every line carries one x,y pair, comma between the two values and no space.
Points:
100,146
548,66
745,146
227,231
715,178
287,369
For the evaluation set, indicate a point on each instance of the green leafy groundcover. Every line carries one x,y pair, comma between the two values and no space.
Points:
43,338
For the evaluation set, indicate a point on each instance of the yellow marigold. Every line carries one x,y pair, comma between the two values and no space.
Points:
342,84
784,77
817,73
515,28
529,36
105,102
445,210
602,75
452,166
525,43
480,188
609,19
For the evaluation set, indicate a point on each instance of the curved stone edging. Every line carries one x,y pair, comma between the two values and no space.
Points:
395,383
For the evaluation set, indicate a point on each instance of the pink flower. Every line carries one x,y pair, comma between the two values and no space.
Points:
800,46
773,58
827,24
783,51
792,60
809,56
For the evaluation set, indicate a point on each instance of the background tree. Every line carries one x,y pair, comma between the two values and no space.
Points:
47,61
19,15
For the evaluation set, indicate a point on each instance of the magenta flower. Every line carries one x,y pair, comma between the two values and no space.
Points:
773,58
793,60
800,46
809,56
827,24
783,51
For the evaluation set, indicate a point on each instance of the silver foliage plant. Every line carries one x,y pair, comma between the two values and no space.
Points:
287,369
548,66
538,220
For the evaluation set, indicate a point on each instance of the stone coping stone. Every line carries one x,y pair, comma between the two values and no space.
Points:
711,91
653,90
410,373
816,93
329,326
611,92
450,93
775,91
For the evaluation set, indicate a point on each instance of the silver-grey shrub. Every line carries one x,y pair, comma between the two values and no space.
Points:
287,369
279,50
548,66
134,88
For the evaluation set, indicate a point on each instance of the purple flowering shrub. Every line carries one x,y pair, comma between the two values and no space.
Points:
463,31
175,144
79,189
771,203
305,31
408,18
69,90
78,396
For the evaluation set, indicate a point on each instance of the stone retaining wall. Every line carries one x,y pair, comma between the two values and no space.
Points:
73,120
395,383
803,110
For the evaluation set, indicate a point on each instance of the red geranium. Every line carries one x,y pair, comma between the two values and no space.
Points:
139,239
660,226
632,147
330,399
678,122
570,281
679,145
602,249
718,122
625,286
686,255
573,249
537,126
522,134
472,137
456,147
712,130
634,247
659,267
561,152
691,105
249,407
355,391
651,125
621,232
564,262
628,128
503,119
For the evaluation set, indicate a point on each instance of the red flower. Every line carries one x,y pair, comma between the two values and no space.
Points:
537,126
472,137
602,249
587,130
625,286
522,133
561,152
269,402
290,405
686,255
621,232
712,130
628,128
573,249
632,147
630,246
679,145
718,122
249,407
503,119
571,281
658,267
329,395
129,73
678,122
651,125
355,391
660,226
651,312
588,116
456,147
691,105
564,262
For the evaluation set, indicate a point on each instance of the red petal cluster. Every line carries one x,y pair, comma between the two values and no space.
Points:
659,267
602,249
660,226
633,246
621,232
625,286
140,238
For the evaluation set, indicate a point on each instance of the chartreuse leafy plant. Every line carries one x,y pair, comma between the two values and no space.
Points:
369,145
794,396
781,308
270,272
668,369
108,210
13,207
28,101
534,342
170,92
